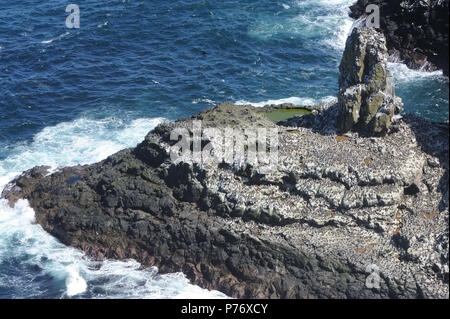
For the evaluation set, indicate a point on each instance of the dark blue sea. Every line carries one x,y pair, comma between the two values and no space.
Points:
70,96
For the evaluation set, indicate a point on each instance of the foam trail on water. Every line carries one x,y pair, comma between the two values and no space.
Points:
33,264
57,38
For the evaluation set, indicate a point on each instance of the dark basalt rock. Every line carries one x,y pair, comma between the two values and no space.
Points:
308,230
416,31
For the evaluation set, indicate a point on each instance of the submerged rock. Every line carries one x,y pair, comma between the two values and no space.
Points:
367,101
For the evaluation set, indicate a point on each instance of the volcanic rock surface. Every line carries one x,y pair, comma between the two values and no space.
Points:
335,205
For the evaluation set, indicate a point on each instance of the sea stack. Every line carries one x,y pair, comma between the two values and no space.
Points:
367,101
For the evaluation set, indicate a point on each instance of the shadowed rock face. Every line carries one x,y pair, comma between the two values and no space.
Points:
335,205
416,31
367,101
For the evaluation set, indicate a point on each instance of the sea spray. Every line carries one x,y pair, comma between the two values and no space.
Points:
33,264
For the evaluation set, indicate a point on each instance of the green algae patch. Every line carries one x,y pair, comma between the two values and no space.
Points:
284,114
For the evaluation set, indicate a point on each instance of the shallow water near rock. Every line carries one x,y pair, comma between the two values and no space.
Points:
62,105
282,115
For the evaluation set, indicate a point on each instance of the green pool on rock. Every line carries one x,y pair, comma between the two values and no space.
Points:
284,114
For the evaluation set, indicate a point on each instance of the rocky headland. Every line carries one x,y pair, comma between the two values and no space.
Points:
416,31
357,207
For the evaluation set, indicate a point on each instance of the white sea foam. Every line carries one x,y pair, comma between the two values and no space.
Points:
293,100
74,282
128,280
203,100
74,274
33,248
102,24
39,254
55,39
338,24
82,141
318,19
403,74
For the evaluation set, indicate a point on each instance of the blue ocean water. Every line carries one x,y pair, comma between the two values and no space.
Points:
70,96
